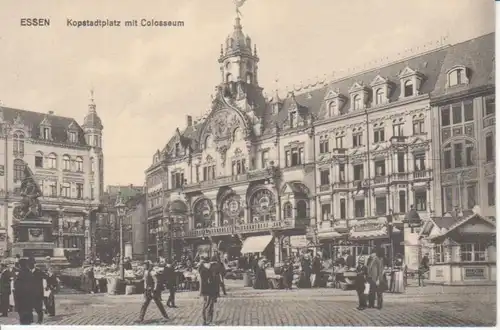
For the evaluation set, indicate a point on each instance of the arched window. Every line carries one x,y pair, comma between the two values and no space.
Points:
287,210
18,143
357,104
379,96
66,163
18,170
237,134
92,165
331,108
408,86
249,78
79,164
39,159
301,209
208,142
457,76
229,78
52,161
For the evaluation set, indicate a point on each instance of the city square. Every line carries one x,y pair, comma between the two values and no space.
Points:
427,306
309,197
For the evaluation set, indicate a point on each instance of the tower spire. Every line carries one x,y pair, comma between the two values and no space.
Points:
92,101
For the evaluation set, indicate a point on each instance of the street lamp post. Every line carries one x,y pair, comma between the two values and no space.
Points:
120,212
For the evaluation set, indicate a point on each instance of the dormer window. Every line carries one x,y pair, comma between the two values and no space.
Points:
293,119
357,104
46,133
177,149
457,76
208,142
411,81
381,90
379,96
73,137
359,96
335,103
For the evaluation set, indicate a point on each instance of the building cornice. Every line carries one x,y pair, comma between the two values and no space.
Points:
473,92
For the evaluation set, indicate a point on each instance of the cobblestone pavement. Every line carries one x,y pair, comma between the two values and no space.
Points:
428,306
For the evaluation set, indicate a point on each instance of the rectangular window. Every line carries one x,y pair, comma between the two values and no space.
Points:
381,205
401,162
445,116
53,189
323,146
397,130
491,193
357,140
238,167
265,158
378,135
72,137
468,111
66,190
358,172
402,201
418,127
380,168
79,190
342,209
448,198
325,177
39,161
419,161
490,148
339,142
326,210
489,106
46,133
197,170
471,196
359,208
438,254
456,110
342,172
447,159
421,200
287,158
177,149
473,252
457,154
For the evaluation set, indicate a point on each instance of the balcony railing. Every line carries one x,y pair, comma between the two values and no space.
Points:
399,176
423,174
379,180
340,185
236,229
221,181
324,187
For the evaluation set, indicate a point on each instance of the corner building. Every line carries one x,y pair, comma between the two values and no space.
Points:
339,161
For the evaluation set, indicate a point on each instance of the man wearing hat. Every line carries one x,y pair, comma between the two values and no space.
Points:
171,283
5,290
152,291
209,287
24,293
38,289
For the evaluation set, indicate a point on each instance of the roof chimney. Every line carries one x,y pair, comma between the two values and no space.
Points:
189,120
51,112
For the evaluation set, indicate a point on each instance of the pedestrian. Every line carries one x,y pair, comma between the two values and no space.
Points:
375,278
209,288
24,295
361,283
5,290
50,285
152,291
222,274
288,275
170,280
423,269
38,288
315,271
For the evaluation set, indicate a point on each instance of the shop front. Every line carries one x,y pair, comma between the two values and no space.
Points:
259,245
465,254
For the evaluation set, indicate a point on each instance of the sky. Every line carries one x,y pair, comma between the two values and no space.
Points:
147,79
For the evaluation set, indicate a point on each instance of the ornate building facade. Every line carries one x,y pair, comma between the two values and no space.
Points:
339,160
67,162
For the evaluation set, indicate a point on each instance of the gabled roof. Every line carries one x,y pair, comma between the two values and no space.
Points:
463,220
59,125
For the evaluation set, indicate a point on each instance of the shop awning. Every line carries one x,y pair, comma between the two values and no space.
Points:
256,244
375,233
329,235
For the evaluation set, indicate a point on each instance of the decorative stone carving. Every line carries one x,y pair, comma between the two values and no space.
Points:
30,207
203,213
263,205
232,208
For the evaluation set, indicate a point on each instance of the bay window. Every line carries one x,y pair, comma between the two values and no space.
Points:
473,252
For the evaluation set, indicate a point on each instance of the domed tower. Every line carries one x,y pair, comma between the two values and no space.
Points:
92,129
238,61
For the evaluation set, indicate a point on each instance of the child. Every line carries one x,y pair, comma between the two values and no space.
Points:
361,283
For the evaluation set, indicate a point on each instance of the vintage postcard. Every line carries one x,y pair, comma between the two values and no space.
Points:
248,163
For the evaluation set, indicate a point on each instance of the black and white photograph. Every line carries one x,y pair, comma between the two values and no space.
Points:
248,163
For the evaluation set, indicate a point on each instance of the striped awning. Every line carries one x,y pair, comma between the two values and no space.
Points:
256,244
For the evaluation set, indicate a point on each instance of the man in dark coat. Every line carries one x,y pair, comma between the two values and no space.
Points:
24,293
316,271
49,299
360,282
5,290
170,278
38,289
209,288
152,291
375,276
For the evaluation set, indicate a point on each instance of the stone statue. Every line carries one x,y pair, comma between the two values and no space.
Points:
29,207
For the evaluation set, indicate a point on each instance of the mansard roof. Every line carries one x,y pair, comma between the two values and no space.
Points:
59,125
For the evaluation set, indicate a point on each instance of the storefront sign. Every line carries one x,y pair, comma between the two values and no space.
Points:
475,273
368,226
439,273
38,253
298,242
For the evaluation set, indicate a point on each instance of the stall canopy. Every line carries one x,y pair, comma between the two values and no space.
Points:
256,244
